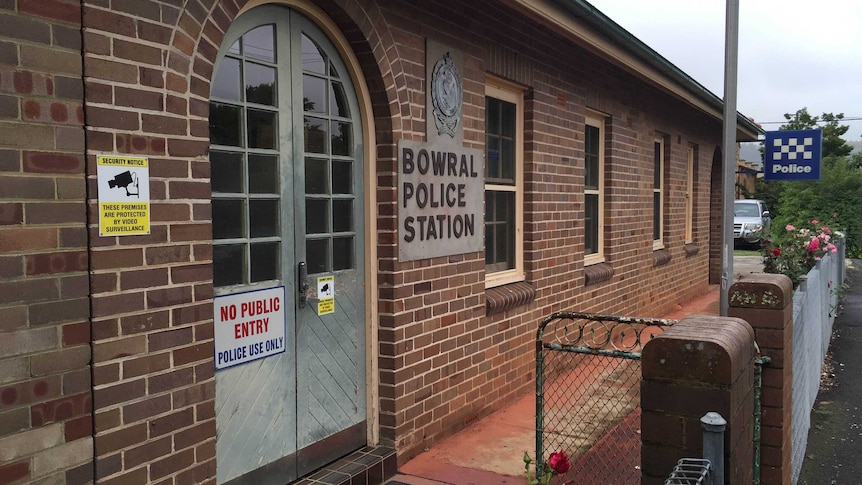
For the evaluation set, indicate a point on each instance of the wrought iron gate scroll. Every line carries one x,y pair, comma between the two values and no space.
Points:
588,394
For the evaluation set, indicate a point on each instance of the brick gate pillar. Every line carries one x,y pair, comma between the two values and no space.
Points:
766,302
701,364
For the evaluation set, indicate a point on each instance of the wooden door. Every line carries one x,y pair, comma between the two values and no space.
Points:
286,145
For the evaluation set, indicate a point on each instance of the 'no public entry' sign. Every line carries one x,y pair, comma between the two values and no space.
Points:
248,326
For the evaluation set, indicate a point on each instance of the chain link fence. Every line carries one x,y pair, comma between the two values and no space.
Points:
588,375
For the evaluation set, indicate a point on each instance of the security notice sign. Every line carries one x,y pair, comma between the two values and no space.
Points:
325,295
124,195
248,326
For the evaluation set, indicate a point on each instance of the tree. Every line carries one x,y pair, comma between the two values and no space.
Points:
769,192
833,144
838,193
856,160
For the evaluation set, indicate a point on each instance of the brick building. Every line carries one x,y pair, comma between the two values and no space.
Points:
183,184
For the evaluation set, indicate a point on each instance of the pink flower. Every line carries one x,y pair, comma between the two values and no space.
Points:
814,245
790,228
831,248
815,221
834,215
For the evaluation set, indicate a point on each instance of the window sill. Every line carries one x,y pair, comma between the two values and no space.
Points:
597,273
661,257
503,298
691,249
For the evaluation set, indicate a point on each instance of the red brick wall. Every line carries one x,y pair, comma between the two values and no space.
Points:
766,301
443,362
147,68
448,362
45,395
703,364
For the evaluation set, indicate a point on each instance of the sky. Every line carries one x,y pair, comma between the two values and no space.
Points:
792,53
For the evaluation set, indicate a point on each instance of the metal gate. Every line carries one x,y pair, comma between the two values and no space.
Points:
588,394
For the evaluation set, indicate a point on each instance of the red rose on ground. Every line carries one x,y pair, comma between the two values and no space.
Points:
559,462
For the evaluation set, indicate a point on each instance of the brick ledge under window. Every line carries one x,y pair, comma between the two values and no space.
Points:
596,273
502,298
660,257
691,249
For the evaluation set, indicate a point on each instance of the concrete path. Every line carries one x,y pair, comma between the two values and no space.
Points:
743,265
835,438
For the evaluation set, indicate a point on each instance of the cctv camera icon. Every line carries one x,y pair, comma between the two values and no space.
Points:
125,180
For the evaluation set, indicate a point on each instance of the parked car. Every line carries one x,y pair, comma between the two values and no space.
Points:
750,220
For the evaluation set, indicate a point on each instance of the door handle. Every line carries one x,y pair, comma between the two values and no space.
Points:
301,284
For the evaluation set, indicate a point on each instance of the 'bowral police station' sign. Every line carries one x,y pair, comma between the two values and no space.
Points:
440,200
441,183
792,155
248,326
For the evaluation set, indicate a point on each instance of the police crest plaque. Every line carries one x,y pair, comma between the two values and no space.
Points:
446,96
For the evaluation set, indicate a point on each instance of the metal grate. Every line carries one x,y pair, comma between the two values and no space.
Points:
588,394
689,471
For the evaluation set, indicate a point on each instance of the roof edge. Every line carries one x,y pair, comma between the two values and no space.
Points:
581,10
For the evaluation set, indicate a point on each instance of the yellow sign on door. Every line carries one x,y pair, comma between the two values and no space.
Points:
325,295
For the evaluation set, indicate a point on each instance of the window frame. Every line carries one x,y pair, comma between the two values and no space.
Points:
658,189
282,235
689,194
511,93
596,120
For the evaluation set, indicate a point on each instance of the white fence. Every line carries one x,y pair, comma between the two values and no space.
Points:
814,307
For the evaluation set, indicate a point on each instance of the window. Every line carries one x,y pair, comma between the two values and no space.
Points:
594,186
245,162
689,194
283,133
504,182
658,193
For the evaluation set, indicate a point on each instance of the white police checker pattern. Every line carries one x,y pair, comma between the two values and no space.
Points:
791,148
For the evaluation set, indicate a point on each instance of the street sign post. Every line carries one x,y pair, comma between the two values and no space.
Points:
728,148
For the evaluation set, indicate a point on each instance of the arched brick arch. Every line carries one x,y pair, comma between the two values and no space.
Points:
147,69
196,40
201,27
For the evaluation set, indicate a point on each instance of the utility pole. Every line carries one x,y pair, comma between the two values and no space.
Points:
728,148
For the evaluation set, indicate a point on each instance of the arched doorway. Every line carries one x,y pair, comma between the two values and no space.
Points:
286,152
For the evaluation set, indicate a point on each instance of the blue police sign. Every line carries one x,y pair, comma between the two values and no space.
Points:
792,155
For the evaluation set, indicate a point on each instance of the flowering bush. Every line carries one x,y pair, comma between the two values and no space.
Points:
794,251
557,464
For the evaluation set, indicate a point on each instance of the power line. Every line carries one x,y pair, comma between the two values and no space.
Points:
851,118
